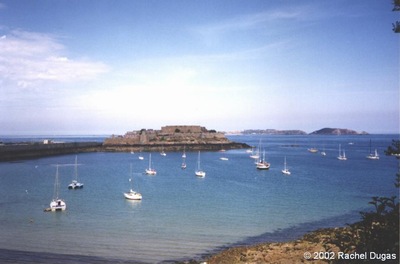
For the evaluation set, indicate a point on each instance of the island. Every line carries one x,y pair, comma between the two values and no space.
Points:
337,131
171,138
272,132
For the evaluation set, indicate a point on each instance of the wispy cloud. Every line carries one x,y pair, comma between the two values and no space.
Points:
211,33
30,58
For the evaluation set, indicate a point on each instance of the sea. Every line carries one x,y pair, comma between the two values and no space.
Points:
183,217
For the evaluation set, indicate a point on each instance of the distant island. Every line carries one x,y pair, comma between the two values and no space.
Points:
272,132
323,131
337,131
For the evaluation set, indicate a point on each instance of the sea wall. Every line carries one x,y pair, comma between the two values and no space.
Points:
34,150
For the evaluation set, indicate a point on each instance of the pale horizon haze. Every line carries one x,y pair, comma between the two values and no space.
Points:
107,67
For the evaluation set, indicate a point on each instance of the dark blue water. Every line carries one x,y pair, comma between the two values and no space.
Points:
182,216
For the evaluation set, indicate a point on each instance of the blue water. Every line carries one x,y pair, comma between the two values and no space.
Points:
182,216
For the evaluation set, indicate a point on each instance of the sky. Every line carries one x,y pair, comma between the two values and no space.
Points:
107,67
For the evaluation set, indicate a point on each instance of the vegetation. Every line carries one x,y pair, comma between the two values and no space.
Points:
396,7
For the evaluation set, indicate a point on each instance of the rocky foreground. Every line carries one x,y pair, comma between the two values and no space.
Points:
283,252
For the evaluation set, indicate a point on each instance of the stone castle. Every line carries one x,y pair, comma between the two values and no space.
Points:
169,135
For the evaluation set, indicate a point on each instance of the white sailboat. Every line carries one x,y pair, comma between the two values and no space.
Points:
57,204
341,156
262,164
199,173
257,154
184,152
132,195
323,153
141,156
162,153
75,184
150,171
285,169
373,156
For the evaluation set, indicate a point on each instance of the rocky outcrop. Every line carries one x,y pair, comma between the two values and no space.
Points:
337,131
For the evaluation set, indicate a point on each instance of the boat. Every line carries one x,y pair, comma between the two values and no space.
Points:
262,164
132,195
162,153
199,173
341,156
313,150
150,171
75,184
373,156
285,169
223,158
323,153
257,154
184,152
183,165
141,156
57,204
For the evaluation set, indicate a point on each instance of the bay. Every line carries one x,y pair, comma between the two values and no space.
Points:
182,216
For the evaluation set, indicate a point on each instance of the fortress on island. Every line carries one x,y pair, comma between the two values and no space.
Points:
171,138
169,135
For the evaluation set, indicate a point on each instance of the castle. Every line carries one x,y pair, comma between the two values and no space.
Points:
169,135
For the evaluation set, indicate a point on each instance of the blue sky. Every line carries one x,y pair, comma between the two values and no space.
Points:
102,67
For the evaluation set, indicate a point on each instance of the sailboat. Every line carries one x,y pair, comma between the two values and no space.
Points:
262,164
140,155
132,195
184,152
323,153
285,169
341,156
257,154
371,156
199,172
183,165
150,171
75,184
57,204
162,153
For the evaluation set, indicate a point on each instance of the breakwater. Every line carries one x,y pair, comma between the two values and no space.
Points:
21,151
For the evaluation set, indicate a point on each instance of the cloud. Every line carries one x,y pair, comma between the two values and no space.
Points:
212,33
28,59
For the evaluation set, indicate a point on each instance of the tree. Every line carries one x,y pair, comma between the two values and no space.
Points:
396,7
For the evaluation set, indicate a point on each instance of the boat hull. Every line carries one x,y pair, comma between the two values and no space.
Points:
133,196
58,205
200,174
